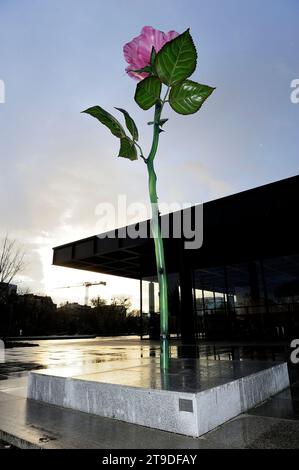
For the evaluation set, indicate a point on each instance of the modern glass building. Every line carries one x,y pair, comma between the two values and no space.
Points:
241,283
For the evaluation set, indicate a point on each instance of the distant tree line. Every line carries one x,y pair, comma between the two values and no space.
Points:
33,315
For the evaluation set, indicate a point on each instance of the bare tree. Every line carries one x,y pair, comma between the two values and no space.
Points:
11,260
121,301
98,302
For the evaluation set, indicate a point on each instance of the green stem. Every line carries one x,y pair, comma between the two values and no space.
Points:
156,231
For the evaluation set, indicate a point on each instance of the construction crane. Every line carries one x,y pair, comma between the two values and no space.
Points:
87,285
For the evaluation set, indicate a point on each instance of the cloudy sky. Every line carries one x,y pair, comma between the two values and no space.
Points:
58,57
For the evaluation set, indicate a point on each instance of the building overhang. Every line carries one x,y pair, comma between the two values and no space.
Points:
253,224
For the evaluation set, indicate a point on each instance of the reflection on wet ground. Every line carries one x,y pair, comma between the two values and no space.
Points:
273,424
80,352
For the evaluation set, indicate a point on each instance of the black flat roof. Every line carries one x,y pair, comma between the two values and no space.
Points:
257,223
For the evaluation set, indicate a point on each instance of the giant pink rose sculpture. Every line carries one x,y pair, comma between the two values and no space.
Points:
162,63
138,51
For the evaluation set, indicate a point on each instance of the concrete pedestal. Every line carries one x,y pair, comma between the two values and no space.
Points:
193,397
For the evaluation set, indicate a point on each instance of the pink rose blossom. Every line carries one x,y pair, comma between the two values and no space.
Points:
138,52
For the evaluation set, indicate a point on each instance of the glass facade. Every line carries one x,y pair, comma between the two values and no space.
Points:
257,299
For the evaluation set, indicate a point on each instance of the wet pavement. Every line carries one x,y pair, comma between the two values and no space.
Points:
25,423
284,405
183,375
80,352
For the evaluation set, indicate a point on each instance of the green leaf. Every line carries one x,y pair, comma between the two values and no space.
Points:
131,126
147,69
187,97
153,56
127,149
177,59
107,119
148,92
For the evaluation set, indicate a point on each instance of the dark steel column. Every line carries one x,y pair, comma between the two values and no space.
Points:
195,306
254,282
264,286
141,307
187,307
227,306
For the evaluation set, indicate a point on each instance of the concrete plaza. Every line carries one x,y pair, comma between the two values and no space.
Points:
31,424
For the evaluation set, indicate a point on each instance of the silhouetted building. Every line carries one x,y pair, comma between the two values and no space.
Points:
74,307
37,302
7,289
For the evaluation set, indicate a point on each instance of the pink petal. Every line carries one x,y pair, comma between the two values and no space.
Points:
153,37
130,50
171,35
138,52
